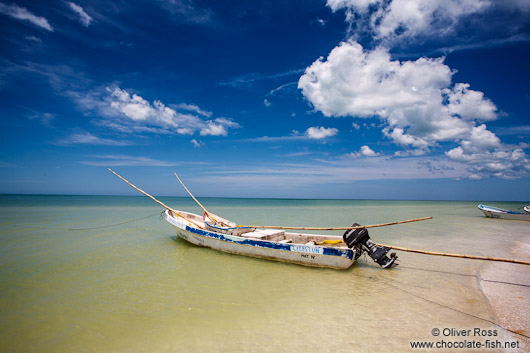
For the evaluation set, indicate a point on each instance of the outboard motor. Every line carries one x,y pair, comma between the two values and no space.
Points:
360,239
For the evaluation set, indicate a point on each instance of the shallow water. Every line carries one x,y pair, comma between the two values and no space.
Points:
77,274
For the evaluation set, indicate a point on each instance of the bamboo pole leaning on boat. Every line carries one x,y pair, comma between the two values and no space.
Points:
193,197
463,256
155,200
143,192
342,228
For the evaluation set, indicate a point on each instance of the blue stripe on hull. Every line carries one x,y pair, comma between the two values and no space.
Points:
270,245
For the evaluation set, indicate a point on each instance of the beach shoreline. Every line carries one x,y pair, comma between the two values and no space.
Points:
507,288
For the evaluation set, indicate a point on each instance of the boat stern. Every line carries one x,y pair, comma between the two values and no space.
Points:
360,240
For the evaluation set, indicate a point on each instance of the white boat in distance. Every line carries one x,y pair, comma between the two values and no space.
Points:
494,212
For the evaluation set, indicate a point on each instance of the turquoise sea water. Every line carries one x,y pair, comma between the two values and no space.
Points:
78,275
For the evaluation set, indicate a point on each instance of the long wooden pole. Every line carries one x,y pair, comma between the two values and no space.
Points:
155,200
436,253
143,192
343,228
193,197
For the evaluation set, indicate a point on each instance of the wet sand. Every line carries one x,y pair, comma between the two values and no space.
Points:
507,287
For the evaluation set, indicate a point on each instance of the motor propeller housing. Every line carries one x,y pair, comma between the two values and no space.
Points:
360,239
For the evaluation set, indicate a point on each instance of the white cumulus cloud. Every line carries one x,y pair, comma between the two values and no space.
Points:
156,114
363,83
416,100
487,156
196,143
503,162
396,22
365,151
319,133
421,17
469,104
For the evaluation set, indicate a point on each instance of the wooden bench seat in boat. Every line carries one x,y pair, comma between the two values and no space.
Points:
264,234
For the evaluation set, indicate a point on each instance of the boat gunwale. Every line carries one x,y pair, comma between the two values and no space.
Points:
263,243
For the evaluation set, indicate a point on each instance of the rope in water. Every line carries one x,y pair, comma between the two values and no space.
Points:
456,310
116,224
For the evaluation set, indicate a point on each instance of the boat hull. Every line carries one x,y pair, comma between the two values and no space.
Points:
493,212
308,255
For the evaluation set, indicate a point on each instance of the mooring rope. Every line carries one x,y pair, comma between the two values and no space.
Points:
457,310
388,280
115,224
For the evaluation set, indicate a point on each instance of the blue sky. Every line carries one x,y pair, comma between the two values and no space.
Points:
401,99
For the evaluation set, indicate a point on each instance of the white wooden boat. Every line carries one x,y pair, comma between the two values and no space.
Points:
494,212
273,244
267,242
